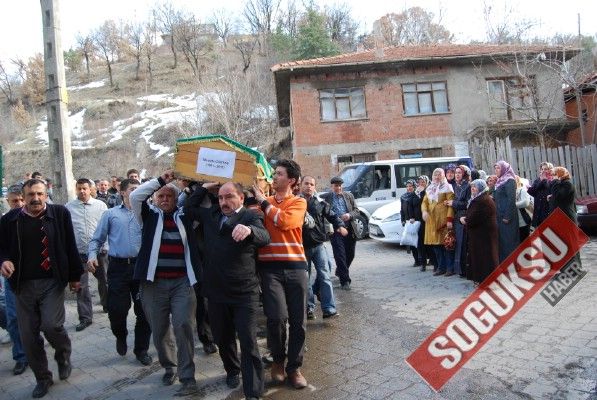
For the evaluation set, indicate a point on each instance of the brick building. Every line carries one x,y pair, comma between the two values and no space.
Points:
588,109
413,101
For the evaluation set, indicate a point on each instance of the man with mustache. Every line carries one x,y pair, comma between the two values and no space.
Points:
38,255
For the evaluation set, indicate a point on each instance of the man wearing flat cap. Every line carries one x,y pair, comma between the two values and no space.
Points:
343,204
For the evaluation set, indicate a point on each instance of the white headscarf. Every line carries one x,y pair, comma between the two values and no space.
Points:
435,188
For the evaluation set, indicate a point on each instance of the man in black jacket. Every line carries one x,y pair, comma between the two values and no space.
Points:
313,239
230,280
39,257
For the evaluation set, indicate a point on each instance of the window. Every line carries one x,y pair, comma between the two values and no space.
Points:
509,98
425,98
342,104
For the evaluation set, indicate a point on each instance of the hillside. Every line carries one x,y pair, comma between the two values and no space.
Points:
135,125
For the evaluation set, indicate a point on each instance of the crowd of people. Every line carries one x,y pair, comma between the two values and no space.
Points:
185,256
471,222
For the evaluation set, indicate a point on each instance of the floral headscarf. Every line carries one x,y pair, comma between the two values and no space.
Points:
435,188
506,173
481,186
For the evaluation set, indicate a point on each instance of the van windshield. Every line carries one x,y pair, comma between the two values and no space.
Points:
352,173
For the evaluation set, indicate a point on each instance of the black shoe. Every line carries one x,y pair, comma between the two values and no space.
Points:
330,314
169,378
310,314
20,367
82,325
187,388
64,370
423,268
233,380
449,273
144,359
210,348
121,347
345,286
438,273
41,389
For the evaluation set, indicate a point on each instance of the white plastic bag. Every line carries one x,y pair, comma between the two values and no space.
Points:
410,234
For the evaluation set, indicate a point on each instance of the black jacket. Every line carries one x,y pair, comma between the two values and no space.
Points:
65,261
229,273
320,211
410,207
351,206
562,197
462,194
539,190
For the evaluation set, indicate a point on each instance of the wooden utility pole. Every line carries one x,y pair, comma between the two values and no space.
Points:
61,160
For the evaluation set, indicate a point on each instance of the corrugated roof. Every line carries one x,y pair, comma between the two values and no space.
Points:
405,53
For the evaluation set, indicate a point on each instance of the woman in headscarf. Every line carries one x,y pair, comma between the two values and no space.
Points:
450,171
462,194
491,180
562,193
410,212
438,217
481,226
506,211
427,251
540,190
523,200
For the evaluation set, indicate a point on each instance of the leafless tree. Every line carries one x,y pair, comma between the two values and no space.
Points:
106,39
21,66
168,19
193,42
414,26
149,48
340,25
246,48
7,86
261,15
134,37
502,26
288,18
87,48
222,20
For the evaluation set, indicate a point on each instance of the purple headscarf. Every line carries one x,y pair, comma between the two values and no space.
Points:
506,173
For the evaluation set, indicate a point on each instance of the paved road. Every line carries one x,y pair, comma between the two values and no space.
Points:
543,352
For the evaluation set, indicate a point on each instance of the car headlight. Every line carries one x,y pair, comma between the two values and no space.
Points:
581,209
393,217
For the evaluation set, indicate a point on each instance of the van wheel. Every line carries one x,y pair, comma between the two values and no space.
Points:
362,227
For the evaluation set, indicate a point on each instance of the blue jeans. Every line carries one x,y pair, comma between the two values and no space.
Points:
445,258
18,353
321,279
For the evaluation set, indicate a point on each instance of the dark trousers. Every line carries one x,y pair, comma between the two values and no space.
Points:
228,320
285,300
84,305
524,232
40,308
122,289
202,317
343,248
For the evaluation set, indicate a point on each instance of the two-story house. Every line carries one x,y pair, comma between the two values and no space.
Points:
414,101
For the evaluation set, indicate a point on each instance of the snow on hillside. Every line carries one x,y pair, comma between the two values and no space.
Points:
178,110
90,85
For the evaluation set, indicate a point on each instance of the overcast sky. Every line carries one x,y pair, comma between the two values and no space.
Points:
20,20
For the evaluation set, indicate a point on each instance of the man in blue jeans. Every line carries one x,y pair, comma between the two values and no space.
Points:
313,239
14,197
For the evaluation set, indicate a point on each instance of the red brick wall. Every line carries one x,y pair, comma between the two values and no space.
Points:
588,103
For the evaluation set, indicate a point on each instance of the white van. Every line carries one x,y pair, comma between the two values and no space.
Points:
376,183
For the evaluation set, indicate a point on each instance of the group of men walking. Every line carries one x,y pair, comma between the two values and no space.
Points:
158,249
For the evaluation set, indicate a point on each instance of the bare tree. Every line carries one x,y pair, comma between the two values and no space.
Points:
414,26
261,15
107,41
168,19
135,36
502,26
21,66
288,19
149,48
87,48
222,21
7,86
193,42
246,48
34,89
340,25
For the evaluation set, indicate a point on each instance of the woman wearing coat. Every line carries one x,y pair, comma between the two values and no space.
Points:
438,217
540,190
523,200
562,193
410,211
507,213
481,226
462,194
427,251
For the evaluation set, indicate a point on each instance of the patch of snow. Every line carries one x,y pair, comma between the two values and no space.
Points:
90,85
21,141
75,124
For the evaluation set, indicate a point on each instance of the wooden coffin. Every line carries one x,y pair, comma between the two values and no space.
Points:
217,158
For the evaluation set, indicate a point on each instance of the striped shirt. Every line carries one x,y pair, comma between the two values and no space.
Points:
171,263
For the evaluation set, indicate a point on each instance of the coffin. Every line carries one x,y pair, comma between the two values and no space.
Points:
217,158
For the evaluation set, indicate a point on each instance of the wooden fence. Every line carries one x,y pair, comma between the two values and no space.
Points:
580,161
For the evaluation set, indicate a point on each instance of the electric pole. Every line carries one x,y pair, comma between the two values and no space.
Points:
61,160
